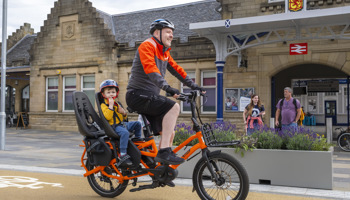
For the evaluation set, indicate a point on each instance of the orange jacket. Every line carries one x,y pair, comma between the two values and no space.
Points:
149,67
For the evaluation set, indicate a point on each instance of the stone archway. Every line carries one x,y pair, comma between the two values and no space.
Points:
283,78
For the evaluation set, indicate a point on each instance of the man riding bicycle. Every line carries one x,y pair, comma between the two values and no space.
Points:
151,61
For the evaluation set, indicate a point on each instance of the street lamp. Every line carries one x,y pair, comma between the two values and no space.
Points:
3,77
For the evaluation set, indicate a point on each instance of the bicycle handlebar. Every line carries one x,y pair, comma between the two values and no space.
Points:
190,96
341,129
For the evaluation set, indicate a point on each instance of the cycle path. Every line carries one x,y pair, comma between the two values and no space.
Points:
21,185
56,155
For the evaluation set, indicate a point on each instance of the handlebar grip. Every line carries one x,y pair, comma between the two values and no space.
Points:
168,94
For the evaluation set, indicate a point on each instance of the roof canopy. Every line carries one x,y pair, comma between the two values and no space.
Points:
236,34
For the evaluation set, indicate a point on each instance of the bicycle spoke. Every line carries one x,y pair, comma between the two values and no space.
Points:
230,182
105,186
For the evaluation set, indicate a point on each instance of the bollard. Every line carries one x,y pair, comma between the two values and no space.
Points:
272,122
329,128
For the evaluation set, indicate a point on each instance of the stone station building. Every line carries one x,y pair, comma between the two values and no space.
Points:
79,46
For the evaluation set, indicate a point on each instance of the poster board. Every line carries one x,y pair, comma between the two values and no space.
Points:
22,120
236,99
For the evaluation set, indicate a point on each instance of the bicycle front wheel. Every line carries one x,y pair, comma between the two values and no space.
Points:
233,181
344,141
103,185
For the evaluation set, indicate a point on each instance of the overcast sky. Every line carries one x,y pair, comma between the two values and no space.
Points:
36,11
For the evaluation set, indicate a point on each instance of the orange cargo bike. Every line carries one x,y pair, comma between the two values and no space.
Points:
215,176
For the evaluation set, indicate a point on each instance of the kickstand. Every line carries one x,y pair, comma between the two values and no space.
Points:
134,183
143,187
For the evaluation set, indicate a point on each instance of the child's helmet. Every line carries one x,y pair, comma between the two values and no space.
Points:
109,83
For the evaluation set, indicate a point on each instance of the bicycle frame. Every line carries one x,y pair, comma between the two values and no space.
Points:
152,152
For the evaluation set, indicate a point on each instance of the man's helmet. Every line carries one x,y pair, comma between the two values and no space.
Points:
109,83
160,24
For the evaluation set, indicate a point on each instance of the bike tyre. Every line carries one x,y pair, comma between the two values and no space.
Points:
344,141
224,161
102,184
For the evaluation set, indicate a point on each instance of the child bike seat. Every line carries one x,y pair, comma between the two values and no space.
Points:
106,126
89,123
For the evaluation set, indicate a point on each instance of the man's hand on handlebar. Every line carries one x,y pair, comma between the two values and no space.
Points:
173,92
202,90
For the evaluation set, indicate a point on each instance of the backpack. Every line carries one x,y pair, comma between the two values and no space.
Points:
301,118
296,108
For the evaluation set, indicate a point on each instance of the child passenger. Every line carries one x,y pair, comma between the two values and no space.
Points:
115,115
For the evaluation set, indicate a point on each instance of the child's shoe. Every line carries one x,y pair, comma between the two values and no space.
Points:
124,161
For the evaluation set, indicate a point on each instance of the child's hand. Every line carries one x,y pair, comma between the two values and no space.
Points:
121,111
110,102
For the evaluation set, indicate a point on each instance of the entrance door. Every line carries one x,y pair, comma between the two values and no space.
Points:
25,99
331,111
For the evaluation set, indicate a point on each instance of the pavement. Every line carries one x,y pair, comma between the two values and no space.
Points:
35,159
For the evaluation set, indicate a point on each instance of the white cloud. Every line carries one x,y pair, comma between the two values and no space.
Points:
35,12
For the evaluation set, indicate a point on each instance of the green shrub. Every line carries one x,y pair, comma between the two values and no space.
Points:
268,140
299,142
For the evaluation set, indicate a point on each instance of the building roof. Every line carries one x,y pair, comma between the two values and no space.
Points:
134,26
19,52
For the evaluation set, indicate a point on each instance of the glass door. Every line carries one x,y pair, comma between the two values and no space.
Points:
331,111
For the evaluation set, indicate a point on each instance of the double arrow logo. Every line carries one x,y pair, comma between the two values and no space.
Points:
298,49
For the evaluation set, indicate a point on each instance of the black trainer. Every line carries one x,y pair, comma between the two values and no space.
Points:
170,184
166,156
124,161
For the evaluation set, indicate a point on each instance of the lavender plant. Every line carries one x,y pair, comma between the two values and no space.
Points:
300,138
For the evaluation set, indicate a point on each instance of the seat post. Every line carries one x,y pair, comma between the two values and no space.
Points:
148,127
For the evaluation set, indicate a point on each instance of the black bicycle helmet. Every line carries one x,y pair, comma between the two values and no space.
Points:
160,24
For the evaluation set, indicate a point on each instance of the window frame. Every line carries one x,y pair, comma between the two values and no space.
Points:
88,89
186,87
210,87
50,90
64,90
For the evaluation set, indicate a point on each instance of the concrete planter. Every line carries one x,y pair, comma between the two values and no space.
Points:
311,169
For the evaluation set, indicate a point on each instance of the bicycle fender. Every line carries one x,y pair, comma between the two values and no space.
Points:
340,135
207,154
212,153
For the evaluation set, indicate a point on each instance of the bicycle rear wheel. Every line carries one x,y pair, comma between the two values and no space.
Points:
344,141
233,181
103,185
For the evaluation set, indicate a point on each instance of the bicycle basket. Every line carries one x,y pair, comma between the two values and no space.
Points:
210,139
208,135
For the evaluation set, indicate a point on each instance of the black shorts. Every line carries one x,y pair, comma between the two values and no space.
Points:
153,106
